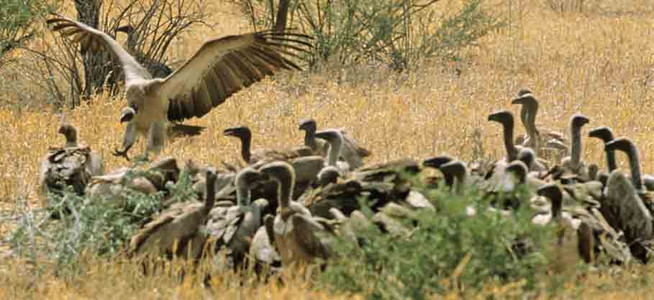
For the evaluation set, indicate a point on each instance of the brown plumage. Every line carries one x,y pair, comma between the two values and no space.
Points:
573,164
175,232
220,68
231,229
70,165
579,237
298,237
624,206
544,142
351,152
244,134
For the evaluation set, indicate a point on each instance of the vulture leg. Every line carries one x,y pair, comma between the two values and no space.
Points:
156,138
128,141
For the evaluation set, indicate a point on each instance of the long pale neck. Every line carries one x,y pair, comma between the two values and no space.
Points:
246,143
556,206
531,128
243,196
210,197
132,40
575,151
335,151
310,139
634,165
284,193
610,157
511,151
524,116
71,141
460,179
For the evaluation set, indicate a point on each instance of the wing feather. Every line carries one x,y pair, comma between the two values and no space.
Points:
224,66
90,37
241,72
227,78
255,66
204,104
220,89
234,75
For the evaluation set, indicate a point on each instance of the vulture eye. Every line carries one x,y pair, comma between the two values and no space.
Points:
127,114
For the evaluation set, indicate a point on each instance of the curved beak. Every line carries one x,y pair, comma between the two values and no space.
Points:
127,114
124,28
229,132
517,101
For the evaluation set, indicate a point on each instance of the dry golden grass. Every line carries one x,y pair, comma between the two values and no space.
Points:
599,63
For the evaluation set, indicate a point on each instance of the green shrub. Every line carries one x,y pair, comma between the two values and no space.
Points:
399,33
387,267
16,20
90,225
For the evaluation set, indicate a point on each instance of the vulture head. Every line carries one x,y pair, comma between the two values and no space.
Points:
70,133
335,140
245,180
604,133
523,91
332,136
527,100
622,144
578,120
125,28
527,156
284,175
437,161
554,193
327,175
503,117
455,169
308,125
519,170
241,132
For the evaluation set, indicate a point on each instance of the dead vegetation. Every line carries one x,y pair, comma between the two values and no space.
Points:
598,62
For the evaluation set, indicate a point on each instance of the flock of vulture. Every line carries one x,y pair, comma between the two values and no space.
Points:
286,207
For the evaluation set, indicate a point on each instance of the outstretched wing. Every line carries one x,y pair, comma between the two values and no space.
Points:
96,40
224,66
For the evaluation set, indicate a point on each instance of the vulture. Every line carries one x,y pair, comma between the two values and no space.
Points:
71,165
568,235
573,164
231,229
606,135
624,206
298,237
542,142
351,152
220,68
176,231
244,134
505,118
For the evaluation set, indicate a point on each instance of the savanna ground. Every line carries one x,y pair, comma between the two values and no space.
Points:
599,62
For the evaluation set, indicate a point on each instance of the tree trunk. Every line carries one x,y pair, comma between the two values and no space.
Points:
282,12
88,12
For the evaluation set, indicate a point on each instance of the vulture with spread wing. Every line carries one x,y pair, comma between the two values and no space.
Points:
220,68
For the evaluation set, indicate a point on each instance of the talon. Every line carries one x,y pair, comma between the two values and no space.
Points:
120,154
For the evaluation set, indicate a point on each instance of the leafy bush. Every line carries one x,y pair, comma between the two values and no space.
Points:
446,248
91,225
16,19
400,33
